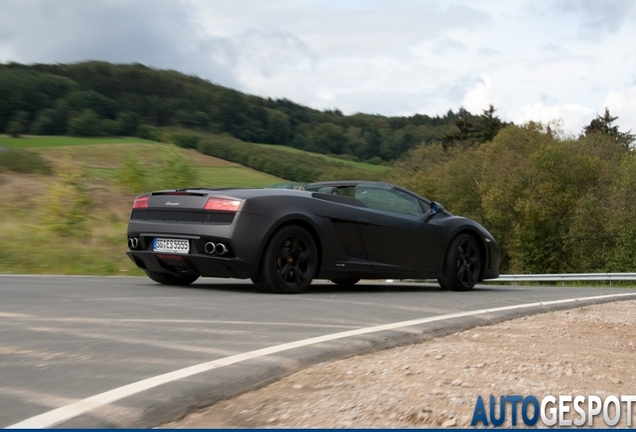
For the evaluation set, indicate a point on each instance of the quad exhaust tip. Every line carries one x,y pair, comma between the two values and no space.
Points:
209,248
221,249
133,243
212,248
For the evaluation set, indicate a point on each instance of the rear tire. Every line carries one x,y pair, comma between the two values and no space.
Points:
171,278
289,263
260,286
345,282
462,266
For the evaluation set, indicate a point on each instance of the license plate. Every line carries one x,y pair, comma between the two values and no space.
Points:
171,245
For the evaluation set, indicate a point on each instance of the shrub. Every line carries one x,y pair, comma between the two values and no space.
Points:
175,169
132,175
87,123
185,140
68,207
148,132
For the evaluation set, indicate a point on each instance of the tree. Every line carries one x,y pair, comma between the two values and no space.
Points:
328,137
87,123
474,130
18,124
603,124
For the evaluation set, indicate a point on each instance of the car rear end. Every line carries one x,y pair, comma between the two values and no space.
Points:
190,232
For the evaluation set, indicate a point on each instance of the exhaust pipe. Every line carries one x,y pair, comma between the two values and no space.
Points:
209,248
221,249
133,243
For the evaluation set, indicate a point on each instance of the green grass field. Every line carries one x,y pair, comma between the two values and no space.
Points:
213,177
57,141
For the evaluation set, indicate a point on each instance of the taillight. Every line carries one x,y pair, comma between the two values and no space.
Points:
141,202
222,204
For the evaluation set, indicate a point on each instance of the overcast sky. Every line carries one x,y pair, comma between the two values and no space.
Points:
533,60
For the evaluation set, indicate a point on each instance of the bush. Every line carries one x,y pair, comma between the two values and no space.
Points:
87,123
175,169
69,206
185,140
290,166
24,162
148,132
132,175
110,128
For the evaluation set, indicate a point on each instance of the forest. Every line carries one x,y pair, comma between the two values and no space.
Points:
98,98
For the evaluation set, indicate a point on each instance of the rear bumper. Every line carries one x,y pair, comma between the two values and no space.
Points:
210,266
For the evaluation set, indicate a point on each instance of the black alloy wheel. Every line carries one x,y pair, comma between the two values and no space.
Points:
290,261
462,266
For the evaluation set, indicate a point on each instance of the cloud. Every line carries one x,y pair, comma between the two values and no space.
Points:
567,58
571,117
622,104
159,33
480,96
598,16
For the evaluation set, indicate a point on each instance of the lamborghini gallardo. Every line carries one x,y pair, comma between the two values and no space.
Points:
282,238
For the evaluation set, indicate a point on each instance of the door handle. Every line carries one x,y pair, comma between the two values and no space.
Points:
364,221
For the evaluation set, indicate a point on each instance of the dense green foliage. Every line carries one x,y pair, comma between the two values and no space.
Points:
98,98
555,204
295,166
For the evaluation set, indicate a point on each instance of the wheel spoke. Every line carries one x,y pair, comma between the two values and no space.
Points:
303,255
470,277
284,271
303,272
461,273
298,275
462,253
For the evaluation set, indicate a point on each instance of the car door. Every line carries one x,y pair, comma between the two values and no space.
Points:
394,236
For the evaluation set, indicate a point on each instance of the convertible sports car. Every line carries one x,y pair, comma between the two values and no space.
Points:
283,238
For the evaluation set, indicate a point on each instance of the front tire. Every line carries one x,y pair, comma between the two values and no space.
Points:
462,266
171,278
290,261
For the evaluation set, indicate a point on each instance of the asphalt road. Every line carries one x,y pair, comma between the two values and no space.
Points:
94,346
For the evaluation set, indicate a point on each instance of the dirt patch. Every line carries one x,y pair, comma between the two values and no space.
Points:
585,351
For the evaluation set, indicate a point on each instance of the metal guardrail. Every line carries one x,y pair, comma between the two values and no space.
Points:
565,277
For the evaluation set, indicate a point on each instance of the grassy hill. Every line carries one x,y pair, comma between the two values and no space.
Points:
30,245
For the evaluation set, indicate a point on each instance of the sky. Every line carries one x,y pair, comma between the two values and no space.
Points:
557,61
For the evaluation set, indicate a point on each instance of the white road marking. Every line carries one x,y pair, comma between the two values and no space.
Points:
66,412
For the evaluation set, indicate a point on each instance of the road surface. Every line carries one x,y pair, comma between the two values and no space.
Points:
126,352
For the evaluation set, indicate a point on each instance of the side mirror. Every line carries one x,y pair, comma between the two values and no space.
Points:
432,211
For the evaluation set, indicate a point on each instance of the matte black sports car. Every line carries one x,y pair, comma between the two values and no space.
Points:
282,239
